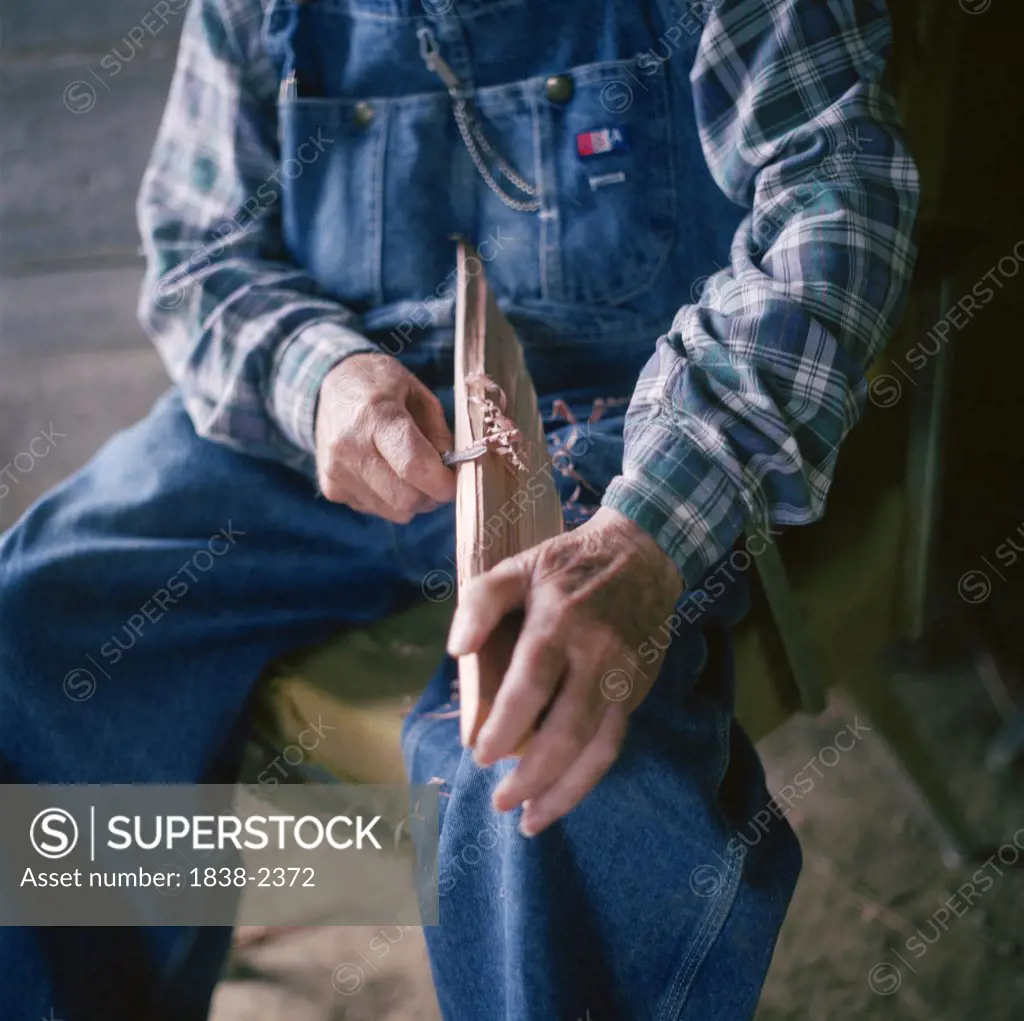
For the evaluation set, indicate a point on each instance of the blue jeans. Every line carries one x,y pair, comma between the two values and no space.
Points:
632,907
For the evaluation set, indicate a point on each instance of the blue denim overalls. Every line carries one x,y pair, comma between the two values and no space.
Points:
561,140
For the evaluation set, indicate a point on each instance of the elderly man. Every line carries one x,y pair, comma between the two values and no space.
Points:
705,208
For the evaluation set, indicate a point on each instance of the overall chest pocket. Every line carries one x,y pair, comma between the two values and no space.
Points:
331,169
607,150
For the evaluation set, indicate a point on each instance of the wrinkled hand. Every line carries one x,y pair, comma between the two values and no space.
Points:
591,597
379,433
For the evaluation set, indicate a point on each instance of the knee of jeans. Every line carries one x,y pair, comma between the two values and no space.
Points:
35,608
15,606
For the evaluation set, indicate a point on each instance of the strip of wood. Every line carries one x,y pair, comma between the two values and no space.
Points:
499,512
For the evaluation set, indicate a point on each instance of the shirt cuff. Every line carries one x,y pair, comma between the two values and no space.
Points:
682,499
300,368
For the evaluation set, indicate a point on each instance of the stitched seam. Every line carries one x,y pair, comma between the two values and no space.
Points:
542,191
378,213
362,14
705,939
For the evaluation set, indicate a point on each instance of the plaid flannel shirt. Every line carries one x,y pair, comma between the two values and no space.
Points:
739,415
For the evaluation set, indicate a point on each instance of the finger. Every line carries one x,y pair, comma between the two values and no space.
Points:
413,459
353,502
358,471
365,501
401,502
484,601
538,662
428,413
581,777
567,729
344,487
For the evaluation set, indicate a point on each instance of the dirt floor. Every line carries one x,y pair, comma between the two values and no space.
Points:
868,935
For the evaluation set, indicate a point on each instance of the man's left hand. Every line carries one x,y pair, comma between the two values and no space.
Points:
590,597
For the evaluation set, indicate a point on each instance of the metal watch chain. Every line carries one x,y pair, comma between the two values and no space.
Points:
472,134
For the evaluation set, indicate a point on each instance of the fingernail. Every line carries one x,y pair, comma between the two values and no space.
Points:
528,826
457,636
484,755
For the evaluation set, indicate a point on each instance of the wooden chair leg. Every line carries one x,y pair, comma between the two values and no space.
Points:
925,463
872,691
792,628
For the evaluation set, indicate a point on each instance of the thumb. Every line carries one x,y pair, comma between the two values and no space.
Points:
484,601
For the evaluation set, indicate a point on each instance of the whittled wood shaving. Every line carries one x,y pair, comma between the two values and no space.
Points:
501,434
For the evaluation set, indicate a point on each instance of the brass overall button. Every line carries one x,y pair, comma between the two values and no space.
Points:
363,112
559,88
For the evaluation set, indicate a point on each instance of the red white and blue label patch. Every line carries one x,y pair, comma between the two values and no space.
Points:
601,141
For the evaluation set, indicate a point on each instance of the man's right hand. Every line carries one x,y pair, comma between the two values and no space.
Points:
379,436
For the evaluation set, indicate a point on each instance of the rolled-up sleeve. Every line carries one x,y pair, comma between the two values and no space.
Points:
244,332
739,415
